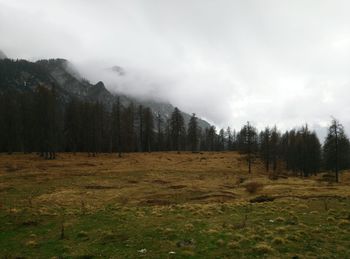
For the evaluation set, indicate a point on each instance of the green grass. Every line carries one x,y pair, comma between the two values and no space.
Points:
276,229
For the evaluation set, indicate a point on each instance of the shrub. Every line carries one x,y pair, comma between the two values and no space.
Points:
253,187
263,248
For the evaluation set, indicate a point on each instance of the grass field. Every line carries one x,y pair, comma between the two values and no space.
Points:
166,205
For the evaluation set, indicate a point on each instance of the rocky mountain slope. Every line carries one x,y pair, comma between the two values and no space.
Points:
22,75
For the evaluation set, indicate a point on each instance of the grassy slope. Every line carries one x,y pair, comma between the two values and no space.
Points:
189,204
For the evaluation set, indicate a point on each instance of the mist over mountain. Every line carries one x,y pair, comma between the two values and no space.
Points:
118,70
99,81
23,75
2,55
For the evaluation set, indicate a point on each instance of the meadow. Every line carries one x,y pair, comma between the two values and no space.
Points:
167,205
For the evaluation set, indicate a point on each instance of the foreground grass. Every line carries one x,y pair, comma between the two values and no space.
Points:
164,206
283,228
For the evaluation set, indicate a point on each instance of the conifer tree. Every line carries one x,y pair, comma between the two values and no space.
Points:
221,140
248,144
72,125
229,138
211,138
265,142
336,149
148,129
177,128
141,131
160,134
193,129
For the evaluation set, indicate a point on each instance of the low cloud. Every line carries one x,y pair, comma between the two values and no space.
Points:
269,62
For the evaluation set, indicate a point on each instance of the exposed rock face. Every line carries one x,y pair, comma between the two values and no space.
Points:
165,110
68,79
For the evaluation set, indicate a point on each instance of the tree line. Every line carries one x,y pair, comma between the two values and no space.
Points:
299,150
41,122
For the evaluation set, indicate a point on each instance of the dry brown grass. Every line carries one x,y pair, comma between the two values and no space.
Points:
84,183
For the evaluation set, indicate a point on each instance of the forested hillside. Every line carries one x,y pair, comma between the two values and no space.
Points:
46,107
24,76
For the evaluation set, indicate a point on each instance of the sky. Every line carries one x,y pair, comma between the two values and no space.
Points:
283,62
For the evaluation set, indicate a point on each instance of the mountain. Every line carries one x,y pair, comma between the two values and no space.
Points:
22,75
165,109
2,55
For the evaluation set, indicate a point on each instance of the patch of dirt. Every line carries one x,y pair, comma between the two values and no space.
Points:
159,181
28,223
86,164
176,187
262,198
220,196
32,175
229,186
162,202
12,168
100,187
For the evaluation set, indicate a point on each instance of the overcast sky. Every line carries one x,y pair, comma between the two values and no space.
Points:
266,61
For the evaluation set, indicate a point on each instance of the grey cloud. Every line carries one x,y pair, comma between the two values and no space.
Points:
270,62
